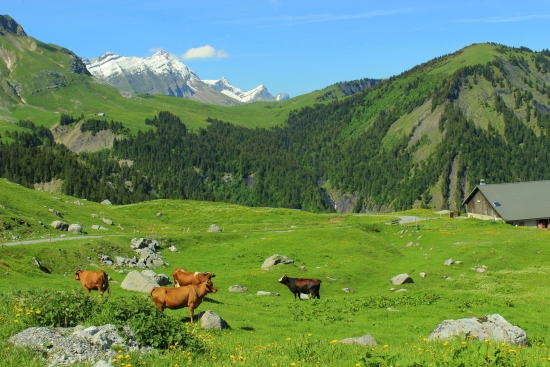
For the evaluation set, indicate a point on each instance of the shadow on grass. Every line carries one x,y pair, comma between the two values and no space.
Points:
209,300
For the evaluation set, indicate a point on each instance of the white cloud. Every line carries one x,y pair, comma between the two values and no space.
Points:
155,49
504,19
204,52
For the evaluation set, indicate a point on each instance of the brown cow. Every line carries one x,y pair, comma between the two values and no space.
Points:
183,277
188,296
93,280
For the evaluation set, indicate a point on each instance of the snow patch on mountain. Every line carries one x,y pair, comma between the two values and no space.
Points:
111,65
257,94
164,73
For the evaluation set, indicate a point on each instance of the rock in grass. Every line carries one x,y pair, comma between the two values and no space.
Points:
75,228
493,327
361,340
137,282
211,320
276,260
214,228
238,288
401,279
264,293
448,262
59,225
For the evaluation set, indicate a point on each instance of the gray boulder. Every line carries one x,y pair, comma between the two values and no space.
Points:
56,213
75,228
264,293
157,262
361,340
238,288
106,202
214,228
95,226
94,215
210,320
107,221
448,262
401,279
160,279
493,327
276,260
159,214
135,281
140,243
59,225
147,253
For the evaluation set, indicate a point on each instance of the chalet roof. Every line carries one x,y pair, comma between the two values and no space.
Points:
518,200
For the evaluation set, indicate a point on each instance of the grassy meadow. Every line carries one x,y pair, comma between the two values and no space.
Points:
360,252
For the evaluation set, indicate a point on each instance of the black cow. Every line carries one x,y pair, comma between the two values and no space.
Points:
301,285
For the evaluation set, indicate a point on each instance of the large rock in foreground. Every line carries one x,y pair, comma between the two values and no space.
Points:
137,282
493,327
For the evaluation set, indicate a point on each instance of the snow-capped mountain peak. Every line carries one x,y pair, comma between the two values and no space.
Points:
164,73
259,93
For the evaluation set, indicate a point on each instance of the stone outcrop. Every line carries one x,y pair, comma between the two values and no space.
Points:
210,320
401,279
276,260
59,225
138,282
493,327
75,228
361,340
214,228
238,288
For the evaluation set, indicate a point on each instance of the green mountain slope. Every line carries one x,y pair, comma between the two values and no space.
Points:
40,81
423,138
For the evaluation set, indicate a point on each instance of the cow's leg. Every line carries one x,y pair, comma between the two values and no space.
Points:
159,306
191,307
86,289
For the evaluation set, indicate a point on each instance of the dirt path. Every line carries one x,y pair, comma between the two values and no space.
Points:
30,242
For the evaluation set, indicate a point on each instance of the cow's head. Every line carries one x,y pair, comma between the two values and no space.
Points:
77,274
283,279
210,287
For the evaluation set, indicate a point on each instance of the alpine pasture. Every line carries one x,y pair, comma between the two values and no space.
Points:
360,252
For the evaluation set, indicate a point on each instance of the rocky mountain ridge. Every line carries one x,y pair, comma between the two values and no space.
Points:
164,73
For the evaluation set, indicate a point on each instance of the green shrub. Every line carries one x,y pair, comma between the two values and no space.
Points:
68,309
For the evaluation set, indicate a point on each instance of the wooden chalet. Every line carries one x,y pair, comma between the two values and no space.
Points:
519,203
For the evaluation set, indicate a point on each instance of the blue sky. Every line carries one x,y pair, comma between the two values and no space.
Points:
290,46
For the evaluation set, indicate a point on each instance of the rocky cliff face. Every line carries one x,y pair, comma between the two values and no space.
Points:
7,24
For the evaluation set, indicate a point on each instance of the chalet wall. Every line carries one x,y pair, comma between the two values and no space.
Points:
479,207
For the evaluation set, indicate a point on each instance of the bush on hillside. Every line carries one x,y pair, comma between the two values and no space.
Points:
50,308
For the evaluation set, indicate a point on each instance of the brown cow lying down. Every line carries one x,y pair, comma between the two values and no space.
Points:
189,296
93,280
183,277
